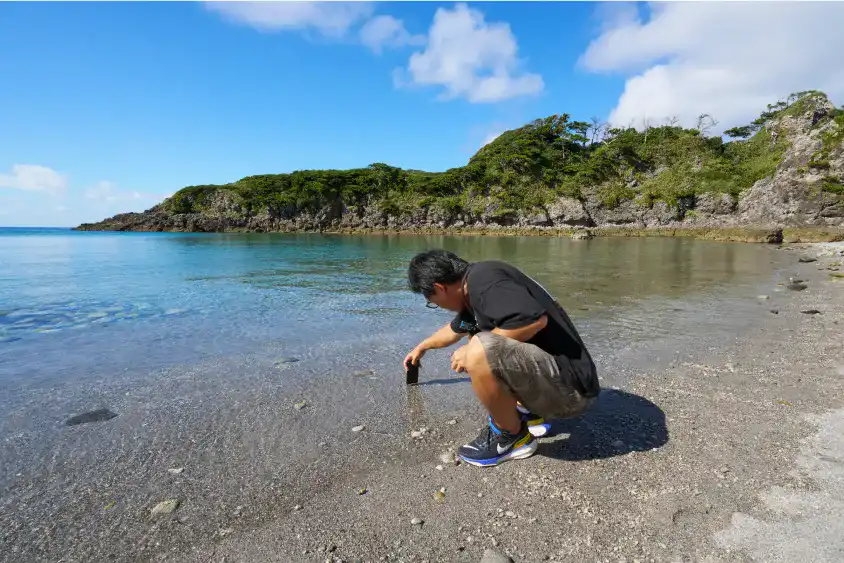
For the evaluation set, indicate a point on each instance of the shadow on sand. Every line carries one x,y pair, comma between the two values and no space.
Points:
448,381
618,423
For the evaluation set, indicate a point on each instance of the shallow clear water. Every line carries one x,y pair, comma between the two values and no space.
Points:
76,304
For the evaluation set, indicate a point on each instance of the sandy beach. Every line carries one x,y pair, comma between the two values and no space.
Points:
726,449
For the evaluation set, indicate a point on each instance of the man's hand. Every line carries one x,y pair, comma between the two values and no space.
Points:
458,360
414,356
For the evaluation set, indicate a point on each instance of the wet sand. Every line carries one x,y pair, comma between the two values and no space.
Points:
705,456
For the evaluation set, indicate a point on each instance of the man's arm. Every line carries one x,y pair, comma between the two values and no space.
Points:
443,338
523,333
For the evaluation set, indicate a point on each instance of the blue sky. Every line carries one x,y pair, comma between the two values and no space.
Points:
109,107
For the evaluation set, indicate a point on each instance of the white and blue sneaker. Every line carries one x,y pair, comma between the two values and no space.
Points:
535,423
495,445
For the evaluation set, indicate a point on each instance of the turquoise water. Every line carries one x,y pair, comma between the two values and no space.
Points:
76,304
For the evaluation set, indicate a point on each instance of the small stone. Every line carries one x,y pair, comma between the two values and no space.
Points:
284,361
811,312
763,296
797,286
416,434
168,506
362,491
176,470
775,311
447,458
300,405
363,373
238,510
358,428
224,532
493,556
452,422
439,495
806,259
297,507
470,539
416,521
510,514
618,444
439,468
480,495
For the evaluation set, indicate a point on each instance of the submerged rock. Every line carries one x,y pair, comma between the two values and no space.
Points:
797,286
168,506
806,260
493,556
99,415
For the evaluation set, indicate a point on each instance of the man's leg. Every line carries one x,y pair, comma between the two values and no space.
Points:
499,402
506,436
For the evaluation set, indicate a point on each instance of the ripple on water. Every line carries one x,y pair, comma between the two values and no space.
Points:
51,318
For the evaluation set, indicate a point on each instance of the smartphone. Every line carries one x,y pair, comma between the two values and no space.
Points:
412,372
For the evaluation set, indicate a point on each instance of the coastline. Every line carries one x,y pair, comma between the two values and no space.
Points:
658,471
770,235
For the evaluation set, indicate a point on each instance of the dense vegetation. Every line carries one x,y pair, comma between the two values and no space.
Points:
526,168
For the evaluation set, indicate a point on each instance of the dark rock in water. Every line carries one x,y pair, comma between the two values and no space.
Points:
811,312
797,286
99,415
775,311
805,260
774,237
363,373
284,361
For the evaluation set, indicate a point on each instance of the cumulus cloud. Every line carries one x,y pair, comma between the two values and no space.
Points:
32,177
387,31
470,58
490,138
108,192
331,19
728,59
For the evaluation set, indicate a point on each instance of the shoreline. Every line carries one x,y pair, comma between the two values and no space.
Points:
657,471
769,235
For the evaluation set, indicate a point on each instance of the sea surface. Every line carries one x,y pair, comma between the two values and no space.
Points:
82,305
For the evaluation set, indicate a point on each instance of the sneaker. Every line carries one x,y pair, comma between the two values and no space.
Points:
535,423
495,446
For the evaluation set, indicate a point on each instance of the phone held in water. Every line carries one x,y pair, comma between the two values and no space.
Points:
412,372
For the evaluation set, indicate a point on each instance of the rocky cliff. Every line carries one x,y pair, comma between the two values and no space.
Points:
789,173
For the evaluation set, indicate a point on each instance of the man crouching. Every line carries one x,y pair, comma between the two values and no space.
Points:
525,358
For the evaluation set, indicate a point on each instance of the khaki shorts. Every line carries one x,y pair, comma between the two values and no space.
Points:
533,377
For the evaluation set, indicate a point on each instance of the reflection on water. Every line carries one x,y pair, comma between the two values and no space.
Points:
86,302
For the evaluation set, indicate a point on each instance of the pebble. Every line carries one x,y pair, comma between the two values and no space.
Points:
416,521
439,468
285,361
416,434
811,312
493,556
300,405
806,260
363,373
763,296
100,415
447,458
297,507
510,514
363,491
176,470
775,311
168,506
358,428
797,286
452,422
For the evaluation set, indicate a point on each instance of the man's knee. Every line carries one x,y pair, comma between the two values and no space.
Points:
476,356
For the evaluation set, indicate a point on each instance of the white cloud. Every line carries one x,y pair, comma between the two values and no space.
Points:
332,19
108,192
728,59
387,31
470,58
32,177
491,137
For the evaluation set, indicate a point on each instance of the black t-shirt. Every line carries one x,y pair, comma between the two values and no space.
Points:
501,296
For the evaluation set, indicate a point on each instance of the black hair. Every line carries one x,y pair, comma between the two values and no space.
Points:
434,266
